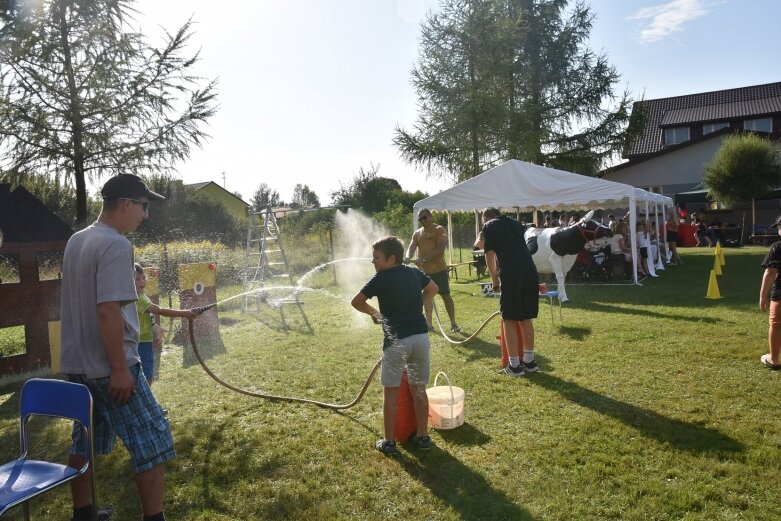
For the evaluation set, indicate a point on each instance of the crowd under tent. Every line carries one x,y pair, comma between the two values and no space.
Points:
525,187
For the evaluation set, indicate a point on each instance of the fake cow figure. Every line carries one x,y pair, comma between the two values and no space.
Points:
557,248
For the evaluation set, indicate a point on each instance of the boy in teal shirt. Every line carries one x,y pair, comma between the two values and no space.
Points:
401,291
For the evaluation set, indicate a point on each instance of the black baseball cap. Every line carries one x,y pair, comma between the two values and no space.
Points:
778,221
127,186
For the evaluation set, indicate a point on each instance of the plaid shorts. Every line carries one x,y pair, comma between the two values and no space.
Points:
139,423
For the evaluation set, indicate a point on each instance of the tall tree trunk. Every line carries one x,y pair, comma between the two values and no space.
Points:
77,128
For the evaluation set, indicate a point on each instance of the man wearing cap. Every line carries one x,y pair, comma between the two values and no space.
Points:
430,241
771,287
99,336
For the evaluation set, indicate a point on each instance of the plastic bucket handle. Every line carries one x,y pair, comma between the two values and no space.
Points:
452,395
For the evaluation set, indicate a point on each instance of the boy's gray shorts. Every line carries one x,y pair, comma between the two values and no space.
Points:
410,352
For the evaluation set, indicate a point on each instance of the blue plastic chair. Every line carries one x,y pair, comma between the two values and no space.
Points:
550,295
24,479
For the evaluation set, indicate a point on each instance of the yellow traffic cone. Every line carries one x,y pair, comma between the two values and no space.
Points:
716,265
720,253
713,287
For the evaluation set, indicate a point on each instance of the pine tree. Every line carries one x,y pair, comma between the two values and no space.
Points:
83,95
512,79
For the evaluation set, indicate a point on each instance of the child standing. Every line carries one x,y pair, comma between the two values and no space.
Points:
406,344
146,311
771,286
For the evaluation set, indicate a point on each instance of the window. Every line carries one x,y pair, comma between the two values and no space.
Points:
759,125
675,135
9,269
49,265
707,128
652,189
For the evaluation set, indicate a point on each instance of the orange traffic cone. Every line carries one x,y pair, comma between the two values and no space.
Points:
406,425
503,342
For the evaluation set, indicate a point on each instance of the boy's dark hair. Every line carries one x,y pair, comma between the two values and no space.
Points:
139,270
492,213
391,246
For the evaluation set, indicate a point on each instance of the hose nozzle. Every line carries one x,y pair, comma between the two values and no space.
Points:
201,310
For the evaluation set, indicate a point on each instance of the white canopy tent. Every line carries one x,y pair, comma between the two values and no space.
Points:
527,187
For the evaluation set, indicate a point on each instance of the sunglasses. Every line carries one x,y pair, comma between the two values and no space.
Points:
144,204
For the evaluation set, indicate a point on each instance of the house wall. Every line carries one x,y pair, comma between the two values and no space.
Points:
234,206
675,171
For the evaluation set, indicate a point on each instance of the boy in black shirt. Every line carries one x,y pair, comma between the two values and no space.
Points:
406,344
771,285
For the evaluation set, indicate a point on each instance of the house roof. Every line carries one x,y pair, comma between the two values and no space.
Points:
736,109
705,106
23,218
197,186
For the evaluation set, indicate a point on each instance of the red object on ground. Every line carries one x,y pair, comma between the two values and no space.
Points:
503,343
686,233
406,425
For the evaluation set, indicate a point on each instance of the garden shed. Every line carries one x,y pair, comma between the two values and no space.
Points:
31,253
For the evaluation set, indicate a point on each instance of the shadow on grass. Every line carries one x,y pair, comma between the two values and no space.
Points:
466,434
679,434
478,349
645,313
463,489
575,333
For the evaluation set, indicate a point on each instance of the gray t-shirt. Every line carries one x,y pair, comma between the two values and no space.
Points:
97,268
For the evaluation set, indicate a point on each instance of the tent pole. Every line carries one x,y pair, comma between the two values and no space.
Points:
633,236
449,237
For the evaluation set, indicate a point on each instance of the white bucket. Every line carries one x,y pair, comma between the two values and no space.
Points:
445,405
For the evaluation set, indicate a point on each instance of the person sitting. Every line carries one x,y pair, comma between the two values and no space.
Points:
621,251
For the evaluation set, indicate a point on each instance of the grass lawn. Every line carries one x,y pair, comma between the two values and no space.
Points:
651,403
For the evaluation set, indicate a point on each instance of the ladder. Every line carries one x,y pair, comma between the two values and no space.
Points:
265,260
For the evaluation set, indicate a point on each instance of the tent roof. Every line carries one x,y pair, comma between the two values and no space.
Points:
528,186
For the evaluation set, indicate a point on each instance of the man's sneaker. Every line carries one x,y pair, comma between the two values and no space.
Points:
421,442
386,447
455,329
513,371
530,367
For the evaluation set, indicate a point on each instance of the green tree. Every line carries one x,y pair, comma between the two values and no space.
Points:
82,95
304,196
371,193
745,167
512,79
265,196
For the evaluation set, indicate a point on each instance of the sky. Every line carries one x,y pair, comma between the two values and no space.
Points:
310,91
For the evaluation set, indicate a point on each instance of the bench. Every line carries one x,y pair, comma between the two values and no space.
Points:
763,240
452,268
